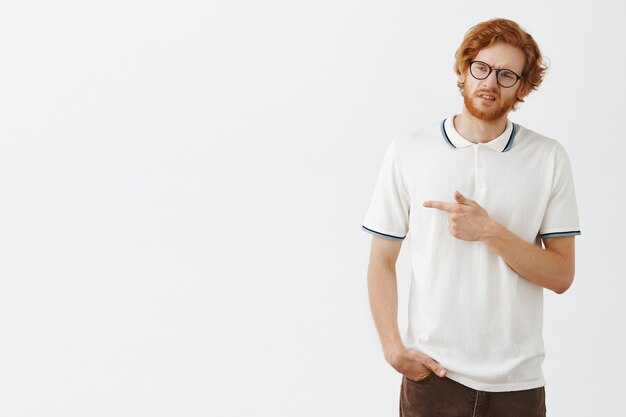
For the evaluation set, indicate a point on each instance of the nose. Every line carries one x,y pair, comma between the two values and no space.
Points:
491,81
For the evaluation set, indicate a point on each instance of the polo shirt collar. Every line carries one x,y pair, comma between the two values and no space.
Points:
502,143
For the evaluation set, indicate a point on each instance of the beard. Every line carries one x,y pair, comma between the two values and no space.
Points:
489,114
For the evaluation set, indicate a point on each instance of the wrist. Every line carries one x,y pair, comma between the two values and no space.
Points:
393,352
491,231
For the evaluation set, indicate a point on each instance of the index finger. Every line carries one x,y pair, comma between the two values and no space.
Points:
441,205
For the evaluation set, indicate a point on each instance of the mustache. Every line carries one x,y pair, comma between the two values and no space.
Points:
491,93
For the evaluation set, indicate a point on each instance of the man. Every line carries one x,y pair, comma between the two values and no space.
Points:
476,194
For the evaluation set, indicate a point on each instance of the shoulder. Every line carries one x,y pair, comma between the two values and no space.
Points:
538,142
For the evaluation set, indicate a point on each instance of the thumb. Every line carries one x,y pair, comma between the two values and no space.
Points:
461,199
434,366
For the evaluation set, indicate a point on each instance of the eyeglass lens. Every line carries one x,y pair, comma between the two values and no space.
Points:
480,71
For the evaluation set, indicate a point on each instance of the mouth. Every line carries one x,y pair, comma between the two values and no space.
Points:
487,97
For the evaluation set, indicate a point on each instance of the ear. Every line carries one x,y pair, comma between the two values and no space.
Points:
460,83
523,90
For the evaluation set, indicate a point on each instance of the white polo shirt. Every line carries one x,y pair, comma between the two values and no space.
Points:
467,308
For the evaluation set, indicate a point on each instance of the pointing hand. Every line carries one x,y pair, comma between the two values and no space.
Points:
467,220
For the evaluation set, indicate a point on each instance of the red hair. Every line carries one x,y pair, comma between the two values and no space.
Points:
487,33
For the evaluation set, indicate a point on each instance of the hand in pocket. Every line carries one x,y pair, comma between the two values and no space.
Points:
415,365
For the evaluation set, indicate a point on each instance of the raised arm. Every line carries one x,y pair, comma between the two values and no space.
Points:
552,268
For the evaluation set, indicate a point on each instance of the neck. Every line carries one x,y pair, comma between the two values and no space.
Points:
477,130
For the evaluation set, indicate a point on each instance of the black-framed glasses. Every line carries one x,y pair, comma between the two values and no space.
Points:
481,70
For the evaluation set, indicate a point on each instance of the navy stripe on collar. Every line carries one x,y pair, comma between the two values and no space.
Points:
508,146
444,134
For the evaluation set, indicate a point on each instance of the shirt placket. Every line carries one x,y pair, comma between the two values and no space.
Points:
479,169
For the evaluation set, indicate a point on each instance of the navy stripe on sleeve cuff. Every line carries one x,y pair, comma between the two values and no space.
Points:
386,236
557,234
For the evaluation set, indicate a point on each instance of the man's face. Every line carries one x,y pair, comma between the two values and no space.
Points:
499,56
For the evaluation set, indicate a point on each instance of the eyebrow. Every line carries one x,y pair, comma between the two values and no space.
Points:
500,68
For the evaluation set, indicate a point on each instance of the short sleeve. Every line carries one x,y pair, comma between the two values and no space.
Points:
561,216
388,212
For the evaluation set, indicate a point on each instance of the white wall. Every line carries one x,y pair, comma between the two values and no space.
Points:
182,187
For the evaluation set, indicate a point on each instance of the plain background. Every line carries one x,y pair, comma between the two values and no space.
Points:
182,186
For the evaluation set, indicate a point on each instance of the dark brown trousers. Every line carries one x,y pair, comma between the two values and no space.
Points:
443,397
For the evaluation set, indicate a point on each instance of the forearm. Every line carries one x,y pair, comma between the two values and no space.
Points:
542,267
383,297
